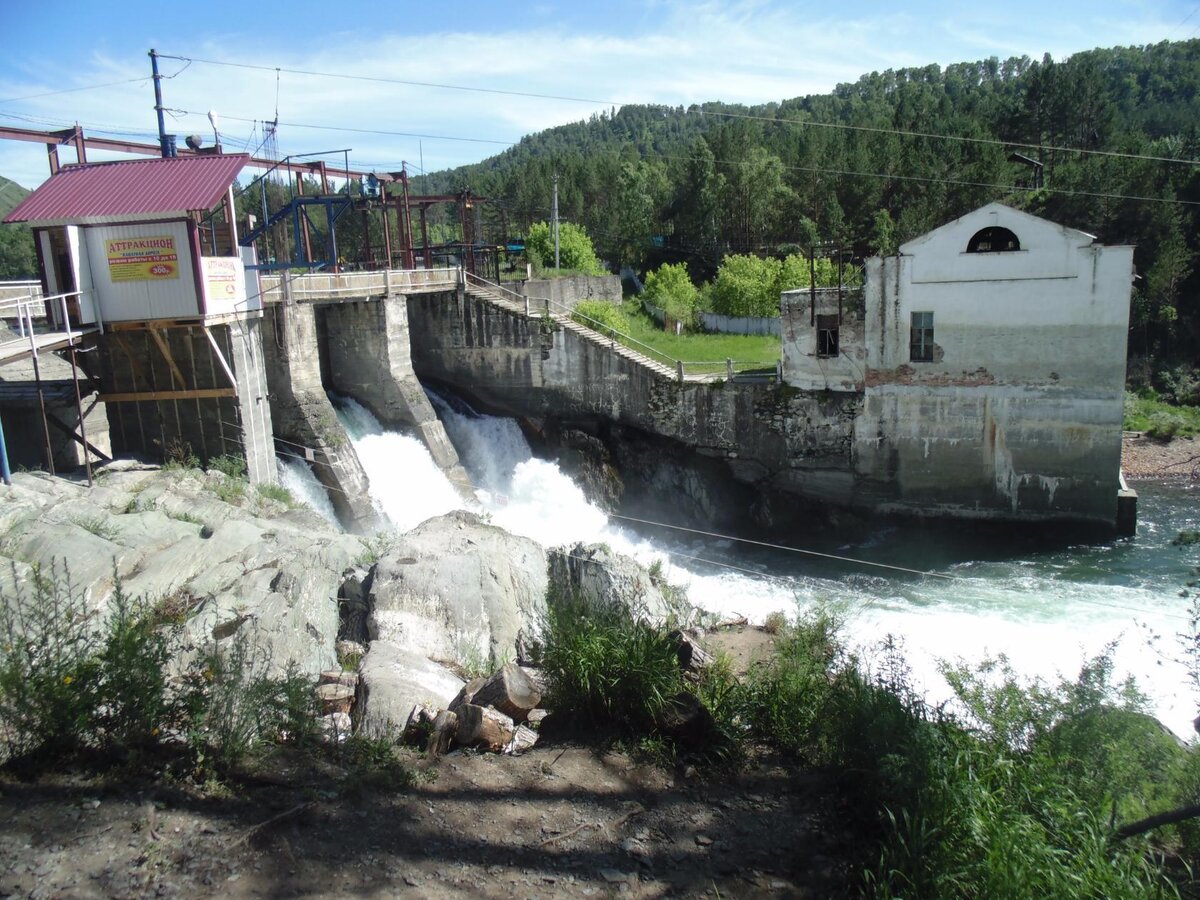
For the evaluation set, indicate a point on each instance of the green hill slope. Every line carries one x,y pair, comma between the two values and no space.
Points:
17,259
864,167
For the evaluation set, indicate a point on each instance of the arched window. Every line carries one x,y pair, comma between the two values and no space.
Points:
993,240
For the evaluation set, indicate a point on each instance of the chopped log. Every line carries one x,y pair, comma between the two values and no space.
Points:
445,726
510,691
337,676
467,694
523,739
335,698
537,676
420,717
483,726
692,657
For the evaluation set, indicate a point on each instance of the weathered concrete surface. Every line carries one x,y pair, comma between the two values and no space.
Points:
303,416
367,349
1018,413
766,436
567,293
259,570
457,589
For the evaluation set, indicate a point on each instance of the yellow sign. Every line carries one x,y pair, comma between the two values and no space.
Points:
142,258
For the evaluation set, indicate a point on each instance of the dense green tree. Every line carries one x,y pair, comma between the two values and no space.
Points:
575,250
670,287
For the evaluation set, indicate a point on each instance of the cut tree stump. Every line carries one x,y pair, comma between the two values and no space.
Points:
510,691
467,694
483,726
692,657
523,739
335,698
445,726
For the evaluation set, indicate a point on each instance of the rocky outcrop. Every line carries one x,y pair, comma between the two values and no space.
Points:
393,681
458,589
596,574
253,567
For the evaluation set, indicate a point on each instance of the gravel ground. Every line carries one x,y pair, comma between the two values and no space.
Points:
1143,457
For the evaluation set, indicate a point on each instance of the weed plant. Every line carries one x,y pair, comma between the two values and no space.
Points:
74,681
606,668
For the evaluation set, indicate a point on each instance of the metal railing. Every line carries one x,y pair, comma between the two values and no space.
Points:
31,324
355,284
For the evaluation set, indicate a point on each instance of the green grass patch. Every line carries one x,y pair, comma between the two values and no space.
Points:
748,351
276,492
1159,419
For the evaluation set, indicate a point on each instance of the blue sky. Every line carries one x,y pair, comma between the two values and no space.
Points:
659,51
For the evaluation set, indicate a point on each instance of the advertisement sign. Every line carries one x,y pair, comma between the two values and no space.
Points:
142,258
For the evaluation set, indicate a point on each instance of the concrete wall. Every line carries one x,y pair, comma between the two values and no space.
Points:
802,367
1019,412
367,348
569,291
304,419
768,436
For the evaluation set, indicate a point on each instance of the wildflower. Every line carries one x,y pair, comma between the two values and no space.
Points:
67,679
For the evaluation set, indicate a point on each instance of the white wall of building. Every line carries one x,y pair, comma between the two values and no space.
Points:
1019,412
141,298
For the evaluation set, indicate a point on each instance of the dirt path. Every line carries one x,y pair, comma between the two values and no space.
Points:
561,821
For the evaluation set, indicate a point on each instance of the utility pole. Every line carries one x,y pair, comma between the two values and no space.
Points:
163,146
554,216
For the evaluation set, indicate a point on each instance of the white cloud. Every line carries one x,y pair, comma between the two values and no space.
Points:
673,53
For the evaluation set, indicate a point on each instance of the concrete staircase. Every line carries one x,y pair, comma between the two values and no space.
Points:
516,304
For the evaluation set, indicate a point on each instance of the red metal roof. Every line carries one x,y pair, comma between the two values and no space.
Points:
129,190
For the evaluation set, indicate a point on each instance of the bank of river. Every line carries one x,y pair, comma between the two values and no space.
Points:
1045,601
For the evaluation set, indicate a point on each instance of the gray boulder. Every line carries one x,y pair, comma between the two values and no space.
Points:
458,589
392,681
596,574
249,567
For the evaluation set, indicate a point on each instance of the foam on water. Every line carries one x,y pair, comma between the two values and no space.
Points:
1046,613
297,477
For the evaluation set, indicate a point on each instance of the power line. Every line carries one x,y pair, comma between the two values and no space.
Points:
88,87
401,81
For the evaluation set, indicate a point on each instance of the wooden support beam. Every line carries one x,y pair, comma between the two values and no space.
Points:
138,397
221,358
70,432
134,363
176,375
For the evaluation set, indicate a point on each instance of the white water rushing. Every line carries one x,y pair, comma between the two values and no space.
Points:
1046,614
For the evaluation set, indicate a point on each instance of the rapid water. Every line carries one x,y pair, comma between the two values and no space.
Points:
1046,610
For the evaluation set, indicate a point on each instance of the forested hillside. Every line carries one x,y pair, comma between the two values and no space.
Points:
868,166
17,258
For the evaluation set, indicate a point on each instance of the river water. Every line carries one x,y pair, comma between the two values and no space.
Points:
1047,609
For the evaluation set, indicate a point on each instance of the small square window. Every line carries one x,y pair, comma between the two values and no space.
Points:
920,342
827,335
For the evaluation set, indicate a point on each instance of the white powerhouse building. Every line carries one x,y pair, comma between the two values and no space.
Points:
990,358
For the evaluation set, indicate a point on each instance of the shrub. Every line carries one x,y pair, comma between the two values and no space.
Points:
48,669
228,465
229,703
276,492
671,288
606,318
1165,425
605,668
575,250
70,681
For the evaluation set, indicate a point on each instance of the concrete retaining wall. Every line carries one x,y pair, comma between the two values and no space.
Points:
767,436
568,292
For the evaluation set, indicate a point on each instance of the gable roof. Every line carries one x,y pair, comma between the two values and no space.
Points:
130,190
1004,216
